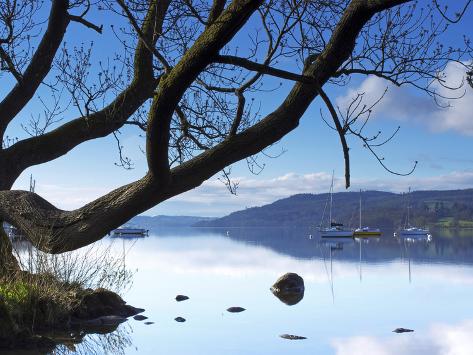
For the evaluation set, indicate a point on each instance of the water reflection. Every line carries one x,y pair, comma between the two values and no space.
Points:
407,242
374,294
115,341
438,339
447,246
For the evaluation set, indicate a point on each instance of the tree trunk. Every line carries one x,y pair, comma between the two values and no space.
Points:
8,262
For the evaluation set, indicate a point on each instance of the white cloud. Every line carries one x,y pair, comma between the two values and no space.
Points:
451,181
440,339
238,259
405,104
69,197
213,199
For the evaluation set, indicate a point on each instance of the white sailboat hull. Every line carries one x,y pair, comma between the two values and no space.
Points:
410,232
336,233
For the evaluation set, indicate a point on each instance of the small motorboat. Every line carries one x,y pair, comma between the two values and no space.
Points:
127,231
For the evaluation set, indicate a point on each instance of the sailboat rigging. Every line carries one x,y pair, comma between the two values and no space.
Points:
410,231
365,231
334,230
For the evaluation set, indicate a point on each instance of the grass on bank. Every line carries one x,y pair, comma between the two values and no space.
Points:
451,222
49,287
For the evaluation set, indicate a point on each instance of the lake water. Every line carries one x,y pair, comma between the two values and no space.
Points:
356,294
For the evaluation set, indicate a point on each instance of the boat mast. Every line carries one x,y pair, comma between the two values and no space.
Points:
32,183
331,200
360,208
408,207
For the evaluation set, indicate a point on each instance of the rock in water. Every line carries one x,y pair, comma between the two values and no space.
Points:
180,319
292,337
180,298
289,288
235,309
402,330
149,323
101,302
140,317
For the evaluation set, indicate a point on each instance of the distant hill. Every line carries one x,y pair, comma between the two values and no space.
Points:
453,208
155,222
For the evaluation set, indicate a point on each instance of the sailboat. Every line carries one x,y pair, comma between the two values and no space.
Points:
335,230
410,231
366,231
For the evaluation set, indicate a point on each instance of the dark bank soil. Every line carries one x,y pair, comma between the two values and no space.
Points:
26,314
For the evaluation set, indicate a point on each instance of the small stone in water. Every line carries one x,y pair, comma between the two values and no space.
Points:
149,323
292,337
180,319
140,317
235,309
180,298
402,330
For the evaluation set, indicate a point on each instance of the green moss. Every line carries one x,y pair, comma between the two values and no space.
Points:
15,293
37,301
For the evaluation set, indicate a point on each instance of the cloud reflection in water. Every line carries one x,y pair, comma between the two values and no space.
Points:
440,339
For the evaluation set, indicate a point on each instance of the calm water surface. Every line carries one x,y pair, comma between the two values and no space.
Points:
356,293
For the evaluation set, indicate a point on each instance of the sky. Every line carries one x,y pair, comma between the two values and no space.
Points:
440,139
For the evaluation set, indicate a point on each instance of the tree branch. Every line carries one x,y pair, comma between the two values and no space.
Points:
239,113
379,74
86,23
341,133
173,86
11,67
59,141
195,12
39,66
458,15
150,42
217,8
261,68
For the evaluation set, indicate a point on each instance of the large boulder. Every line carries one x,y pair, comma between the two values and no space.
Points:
289,288
101,302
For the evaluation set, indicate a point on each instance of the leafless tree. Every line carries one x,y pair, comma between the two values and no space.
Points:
185,79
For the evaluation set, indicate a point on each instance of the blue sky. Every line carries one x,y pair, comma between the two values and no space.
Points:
440,139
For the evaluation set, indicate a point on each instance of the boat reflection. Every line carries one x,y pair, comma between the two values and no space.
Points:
407,242
333,245
363,241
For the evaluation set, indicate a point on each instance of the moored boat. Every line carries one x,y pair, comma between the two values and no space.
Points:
336,230
365,231
412,232
130,231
